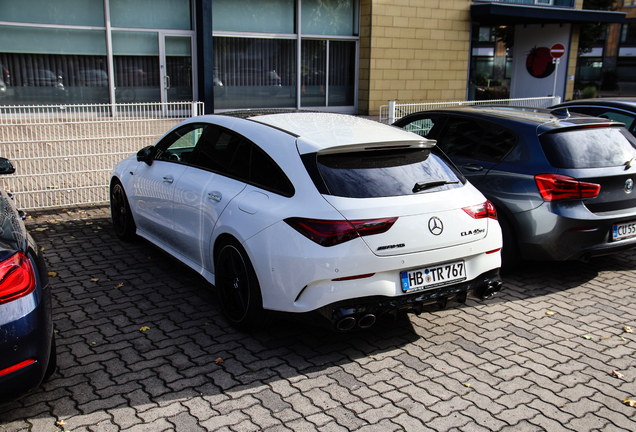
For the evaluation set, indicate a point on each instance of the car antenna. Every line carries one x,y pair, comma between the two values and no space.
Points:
560,112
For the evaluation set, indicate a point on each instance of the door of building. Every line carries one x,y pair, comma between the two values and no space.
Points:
175,63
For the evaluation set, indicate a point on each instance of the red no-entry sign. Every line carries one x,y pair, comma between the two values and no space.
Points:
557,50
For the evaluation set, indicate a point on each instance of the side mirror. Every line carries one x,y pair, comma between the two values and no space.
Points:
6,167
146,154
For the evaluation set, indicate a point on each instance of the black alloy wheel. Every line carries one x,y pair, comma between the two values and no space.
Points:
238,288
120,213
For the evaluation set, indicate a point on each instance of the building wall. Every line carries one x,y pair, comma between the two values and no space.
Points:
418,50
573,57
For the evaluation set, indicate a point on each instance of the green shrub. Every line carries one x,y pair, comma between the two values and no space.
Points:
589,92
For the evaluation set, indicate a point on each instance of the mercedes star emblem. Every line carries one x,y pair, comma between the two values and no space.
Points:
435,225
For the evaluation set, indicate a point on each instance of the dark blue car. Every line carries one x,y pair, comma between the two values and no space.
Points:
27,342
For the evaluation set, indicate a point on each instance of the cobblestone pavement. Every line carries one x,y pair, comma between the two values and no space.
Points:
142,346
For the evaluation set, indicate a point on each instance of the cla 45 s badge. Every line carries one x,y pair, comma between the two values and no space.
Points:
473,232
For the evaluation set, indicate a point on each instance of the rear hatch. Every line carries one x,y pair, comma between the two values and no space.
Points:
417,185
604,156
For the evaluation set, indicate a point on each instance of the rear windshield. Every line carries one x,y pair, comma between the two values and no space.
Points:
387,173
589,148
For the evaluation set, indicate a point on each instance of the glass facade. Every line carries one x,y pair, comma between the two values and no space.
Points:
254,73
266,53
67,60
258,63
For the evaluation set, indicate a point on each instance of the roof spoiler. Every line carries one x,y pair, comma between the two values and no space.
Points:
391,145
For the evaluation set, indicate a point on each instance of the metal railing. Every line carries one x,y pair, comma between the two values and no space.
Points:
393,111
64,154
555,3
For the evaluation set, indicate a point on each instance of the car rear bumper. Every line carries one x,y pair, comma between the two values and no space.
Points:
575,234
362,312
25,341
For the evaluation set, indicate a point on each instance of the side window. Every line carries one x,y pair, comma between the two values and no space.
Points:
422,126
495,145
266,174
179,145
461,137
216,150
615,115
227,153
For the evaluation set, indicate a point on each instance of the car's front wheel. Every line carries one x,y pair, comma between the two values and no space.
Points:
120,213
238,287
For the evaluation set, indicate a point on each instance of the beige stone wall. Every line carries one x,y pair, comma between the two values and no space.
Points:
574,49
413,51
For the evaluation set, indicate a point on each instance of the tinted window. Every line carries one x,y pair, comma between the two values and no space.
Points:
589,148
385,173
476,139
461,137
216,150
495,144
228,153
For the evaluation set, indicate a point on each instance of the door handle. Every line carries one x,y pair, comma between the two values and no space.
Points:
167,82
168,179
215,197
473,167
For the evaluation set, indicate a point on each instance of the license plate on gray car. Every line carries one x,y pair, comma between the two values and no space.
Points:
624,231
434,276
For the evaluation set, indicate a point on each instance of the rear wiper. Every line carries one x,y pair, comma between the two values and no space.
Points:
630,162
431,184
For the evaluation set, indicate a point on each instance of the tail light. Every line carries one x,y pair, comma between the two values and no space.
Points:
16,278
554,187
481,211
16,367
330,232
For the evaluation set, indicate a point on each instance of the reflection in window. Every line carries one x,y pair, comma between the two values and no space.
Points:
254,73
137,79
589,148
342,73
313,65
422,127
384,173
53,79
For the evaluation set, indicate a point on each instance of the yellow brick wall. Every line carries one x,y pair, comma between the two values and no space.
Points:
574,50
413,51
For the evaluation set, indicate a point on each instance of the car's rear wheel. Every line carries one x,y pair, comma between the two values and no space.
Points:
121,215
238,288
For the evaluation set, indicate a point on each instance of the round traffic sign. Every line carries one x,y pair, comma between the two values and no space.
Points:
557,50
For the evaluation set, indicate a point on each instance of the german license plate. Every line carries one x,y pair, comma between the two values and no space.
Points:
434,276
623,231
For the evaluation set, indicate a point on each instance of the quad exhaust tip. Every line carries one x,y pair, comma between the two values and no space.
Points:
366,321
349,322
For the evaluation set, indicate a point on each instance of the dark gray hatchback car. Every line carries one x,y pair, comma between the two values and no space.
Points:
562,183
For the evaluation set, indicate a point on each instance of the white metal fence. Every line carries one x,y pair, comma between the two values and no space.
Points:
63,155
393,111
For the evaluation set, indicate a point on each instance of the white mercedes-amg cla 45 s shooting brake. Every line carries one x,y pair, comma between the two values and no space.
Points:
333,218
